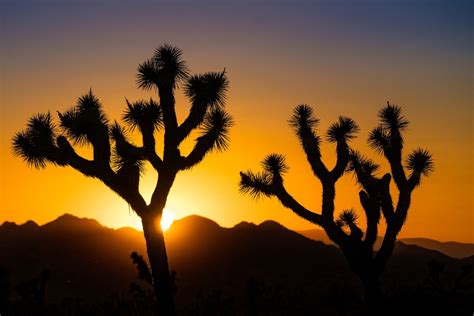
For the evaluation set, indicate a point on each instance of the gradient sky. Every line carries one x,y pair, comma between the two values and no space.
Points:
342,57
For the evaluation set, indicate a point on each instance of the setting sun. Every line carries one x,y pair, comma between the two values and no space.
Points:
167,219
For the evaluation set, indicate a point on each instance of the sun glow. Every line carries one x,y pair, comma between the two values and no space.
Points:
167,219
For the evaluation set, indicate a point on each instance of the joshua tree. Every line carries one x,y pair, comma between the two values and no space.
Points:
118,163
375,196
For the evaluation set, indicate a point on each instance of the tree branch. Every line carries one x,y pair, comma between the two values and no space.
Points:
70,157
303,122
215,136
149,149
371,207
195,118
167,103
289,202
101,146
397,168
204,91
342,152
386,202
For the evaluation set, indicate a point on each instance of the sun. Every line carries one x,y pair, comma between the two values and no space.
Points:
133,220
167,219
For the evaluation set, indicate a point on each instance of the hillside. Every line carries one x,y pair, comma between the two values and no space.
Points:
88,262
451,248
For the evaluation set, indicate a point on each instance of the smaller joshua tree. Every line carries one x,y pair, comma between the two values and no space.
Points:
375,197
118,163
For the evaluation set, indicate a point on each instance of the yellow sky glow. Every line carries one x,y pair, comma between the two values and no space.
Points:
275,59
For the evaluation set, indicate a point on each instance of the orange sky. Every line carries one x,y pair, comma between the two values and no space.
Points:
343,59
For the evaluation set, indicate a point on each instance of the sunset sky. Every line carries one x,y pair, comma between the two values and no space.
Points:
342,57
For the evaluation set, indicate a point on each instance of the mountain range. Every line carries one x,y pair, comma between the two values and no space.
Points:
451,248
289,270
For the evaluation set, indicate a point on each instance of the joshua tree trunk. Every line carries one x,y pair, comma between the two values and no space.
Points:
373,293
362,264
156,249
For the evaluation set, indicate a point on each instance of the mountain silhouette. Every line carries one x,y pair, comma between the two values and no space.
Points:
71,223
87,260
451,248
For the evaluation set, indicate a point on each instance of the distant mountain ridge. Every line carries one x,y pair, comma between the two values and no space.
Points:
66,221
451,248
89,261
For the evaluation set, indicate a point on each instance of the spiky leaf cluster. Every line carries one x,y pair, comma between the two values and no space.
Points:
142,267
303,121
391,118
379,140
387,135
207,89
165,67
256,185
360,164
275,164
216,127
343,130
143,115
347,218
82,122
421,161
36,144
125,155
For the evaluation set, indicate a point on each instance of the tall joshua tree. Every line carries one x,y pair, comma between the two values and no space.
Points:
375,197
118,163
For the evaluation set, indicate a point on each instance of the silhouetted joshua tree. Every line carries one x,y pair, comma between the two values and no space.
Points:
144,273
142,267
375,195
118,163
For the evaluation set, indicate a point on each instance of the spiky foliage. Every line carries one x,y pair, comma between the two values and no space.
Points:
275,164
387,138
215,129
379,140
391,118
142,267
166,67
374,195
344,129
348,217
262,183
126,155
36,144
82,122
363,167
304,122
206,92
142,115
256,185
214,136
207,89
420,161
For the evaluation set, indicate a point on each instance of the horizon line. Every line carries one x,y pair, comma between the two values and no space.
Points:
217,223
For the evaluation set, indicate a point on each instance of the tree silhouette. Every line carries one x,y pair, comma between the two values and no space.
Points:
118,163
142,267
375,195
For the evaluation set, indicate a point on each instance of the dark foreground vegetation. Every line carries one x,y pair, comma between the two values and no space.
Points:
218,271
